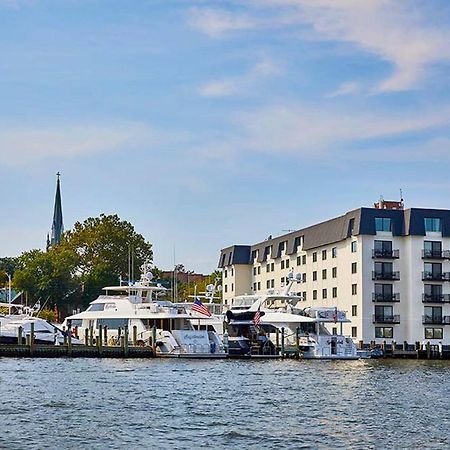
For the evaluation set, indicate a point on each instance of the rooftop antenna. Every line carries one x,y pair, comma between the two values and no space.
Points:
287,231
401,198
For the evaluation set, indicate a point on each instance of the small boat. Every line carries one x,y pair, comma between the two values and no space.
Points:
141,310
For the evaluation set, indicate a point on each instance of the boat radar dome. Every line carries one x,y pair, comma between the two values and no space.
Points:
298,277
210,288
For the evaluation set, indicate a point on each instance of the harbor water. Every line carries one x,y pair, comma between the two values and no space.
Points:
177,404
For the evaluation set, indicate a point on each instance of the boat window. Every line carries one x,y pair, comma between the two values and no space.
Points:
110,306
96,307
77,322
112,324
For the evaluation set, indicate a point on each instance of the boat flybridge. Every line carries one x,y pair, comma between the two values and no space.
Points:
159,322
303,328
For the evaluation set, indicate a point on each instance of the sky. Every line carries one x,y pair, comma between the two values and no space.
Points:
212,123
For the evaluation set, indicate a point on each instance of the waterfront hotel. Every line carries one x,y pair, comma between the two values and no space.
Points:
387,267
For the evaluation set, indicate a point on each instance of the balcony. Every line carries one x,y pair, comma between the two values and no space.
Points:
384,253
383,275
436,320
435,298
385,298
435,276
435,254
386,319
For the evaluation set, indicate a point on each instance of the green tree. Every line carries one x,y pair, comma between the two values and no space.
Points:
48,277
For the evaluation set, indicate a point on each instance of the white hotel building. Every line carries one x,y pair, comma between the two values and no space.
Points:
387,267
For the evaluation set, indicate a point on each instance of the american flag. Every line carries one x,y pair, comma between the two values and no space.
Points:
257,318
199,307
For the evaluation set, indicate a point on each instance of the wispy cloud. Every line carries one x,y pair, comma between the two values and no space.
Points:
347,88
318,132
241,84
394,31
20,145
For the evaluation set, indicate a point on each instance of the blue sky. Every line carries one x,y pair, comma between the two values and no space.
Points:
209,123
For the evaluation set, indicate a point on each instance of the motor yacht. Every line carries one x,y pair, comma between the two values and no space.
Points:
302,329
141,308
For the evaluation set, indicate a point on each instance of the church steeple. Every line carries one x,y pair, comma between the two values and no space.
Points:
57,225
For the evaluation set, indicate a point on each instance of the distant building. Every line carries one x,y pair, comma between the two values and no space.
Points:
389,268
57,224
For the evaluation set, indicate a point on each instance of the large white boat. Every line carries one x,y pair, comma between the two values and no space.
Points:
281,320
141,309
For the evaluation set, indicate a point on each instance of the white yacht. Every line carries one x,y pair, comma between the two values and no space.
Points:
164,325
304,329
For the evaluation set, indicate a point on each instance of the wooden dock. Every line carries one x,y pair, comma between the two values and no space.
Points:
75,351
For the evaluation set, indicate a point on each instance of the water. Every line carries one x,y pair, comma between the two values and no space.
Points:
177,404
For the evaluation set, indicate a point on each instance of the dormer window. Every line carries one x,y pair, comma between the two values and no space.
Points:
383,224
433,224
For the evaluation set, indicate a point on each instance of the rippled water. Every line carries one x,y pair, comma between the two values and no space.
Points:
88,403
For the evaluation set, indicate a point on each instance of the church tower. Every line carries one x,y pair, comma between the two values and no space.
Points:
57,225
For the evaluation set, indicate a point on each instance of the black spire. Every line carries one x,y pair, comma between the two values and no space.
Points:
57,225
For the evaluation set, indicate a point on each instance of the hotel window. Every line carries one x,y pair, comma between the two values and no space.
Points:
354,289
384,332
324,274
259,285
433,225
324,293
254,254
432,271
225,274
304,278
314,294
304,296
434,333
282,264
351,226
272,267
354,310
303,259
334,272
334,252
272,283
432,249
254,286
433,314
226,288
314,256
282,281
287,264
354,332
383,224
324,255
433,292
354,244
254,270
299,260
268,267
334,292
259,270
268,284
232,271
382,248
232,287
354,267
297,243
315,275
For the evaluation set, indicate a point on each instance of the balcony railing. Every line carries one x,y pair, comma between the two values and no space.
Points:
435,298
437,320
385,298
385,253
383,275
435,254
386,319
435,276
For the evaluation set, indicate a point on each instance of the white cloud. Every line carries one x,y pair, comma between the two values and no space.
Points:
264,69
20,145
345,89
217,22
315,132
397,32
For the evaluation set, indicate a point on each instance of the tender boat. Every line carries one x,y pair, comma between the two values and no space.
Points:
281,320
141,309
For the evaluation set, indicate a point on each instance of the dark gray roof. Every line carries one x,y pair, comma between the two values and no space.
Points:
356,222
